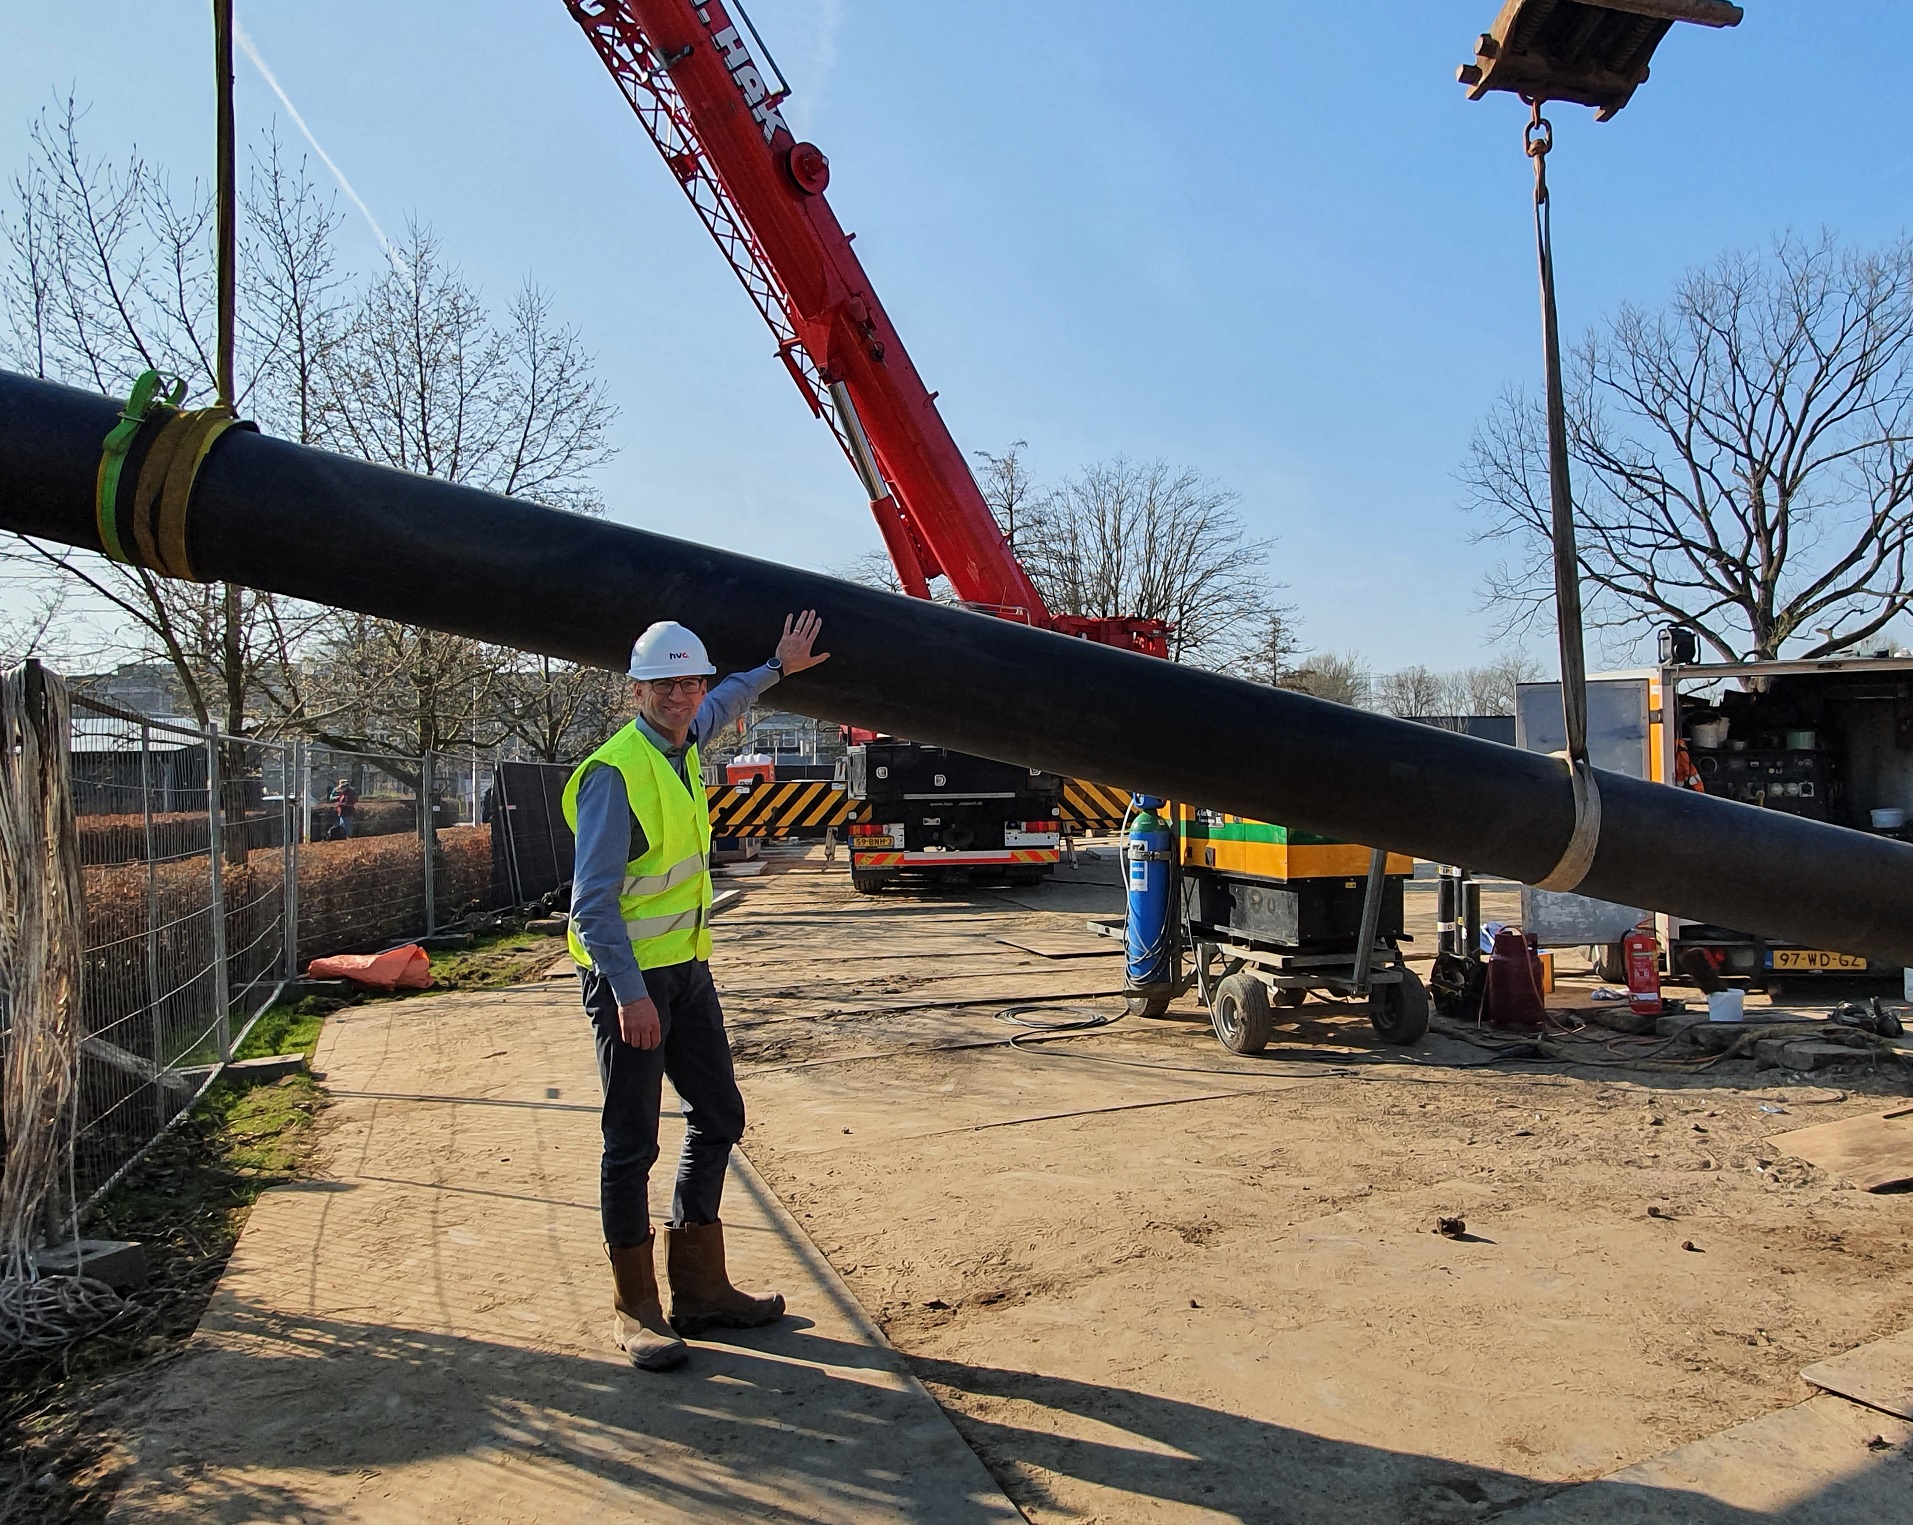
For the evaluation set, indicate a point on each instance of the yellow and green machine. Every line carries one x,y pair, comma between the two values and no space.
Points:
1266,915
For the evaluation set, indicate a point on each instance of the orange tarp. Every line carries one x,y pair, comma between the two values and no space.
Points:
406,968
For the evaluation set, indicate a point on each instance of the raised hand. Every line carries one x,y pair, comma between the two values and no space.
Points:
800,631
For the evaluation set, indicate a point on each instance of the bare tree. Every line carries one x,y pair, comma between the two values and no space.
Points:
109,273
379,686
560,710
26,631
1009,488
1140,539
1489,688
871,569
1413,691
1743,458
1267,649
421,377
1341,676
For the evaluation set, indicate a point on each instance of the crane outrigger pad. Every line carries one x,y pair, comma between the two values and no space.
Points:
1592,52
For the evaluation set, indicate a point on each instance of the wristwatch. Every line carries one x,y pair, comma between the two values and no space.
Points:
775,664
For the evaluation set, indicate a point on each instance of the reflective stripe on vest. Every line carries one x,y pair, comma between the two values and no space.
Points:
665,899
676,874
657,926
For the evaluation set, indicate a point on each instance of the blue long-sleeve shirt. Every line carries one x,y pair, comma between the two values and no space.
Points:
609,837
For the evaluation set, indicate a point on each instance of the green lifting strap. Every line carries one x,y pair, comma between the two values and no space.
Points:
113,455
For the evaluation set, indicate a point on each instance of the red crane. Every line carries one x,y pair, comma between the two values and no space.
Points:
708,93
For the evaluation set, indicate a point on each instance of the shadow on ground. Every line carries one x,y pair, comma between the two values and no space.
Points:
1140,1447
731,1437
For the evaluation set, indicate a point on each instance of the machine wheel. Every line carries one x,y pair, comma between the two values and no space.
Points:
1146,1005
1282,996
1610,964
1400,1012
1240,1014
867,883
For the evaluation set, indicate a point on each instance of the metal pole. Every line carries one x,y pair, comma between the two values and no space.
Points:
291,770
427,839
1371,917
152,920
1447,908
226,212
305,793
216,846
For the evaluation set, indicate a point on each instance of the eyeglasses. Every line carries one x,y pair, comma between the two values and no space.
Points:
665,687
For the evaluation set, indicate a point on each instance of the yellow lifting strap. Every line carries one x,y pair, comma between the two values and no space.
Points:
142,513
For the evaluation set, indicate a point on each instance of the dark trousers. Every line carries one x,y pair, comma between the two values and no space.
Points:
697,1056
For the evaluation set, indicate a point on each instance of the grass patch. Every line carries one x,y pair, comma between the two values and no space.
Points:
507,958
288,1029
186,1203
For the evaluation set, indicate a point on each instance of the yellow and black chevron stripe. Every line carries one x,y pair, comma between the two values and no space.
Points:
1093,807
762,809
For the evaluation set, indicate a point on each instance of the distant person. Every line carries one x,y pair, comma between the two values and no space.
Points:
345,800
640,932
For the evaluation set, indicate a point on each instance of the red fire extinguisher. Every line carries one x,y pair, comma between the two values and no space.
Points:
1641,952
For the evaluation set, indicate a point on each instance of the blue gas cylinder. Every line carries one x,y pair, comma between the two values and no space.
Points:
1147,937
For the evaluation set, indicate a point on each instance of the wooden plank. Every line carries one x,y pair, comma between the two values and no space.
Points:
1874,1152
1880,1375
1063,946
1813,1464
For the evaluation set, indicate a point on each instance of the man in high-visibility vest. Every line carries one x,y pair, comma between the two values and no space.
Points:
640,932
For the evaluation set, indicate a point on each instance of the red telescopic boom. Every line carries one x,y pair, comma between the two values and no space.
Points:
706,90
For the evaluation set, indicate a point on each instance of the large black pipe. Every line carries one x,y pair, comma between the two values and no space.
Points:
298,521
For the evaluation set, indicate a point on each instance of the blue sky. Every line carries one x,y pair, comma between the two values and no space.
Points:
1270,241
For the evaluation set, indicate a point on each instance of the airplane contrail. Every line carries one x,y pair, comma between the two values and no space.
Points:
246,46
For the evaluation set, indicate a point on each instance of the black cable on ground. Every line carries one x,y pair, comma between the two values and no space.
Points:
1081,1018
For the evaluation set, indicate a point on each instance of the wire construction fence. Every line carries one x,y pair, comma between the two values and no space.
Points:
215,868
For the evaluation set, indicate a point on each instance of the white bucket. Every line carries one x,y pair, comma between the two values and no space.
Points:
1709,733
1725,1005
1887,819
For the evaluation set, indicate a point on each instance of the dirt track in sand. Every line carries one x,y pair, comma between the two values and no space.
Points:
1224,1300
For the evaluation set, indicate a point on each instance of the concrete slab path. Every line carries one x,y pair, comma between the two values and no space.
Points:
422,1332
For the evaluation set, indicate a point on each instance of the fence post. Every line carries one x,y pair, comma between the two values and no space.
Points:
291,772
160,1056
428,839
216,846
305,793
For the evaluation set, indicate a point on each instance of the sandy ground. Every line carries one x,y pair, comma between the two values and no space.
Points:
421,1332
1146,1279
1154,1281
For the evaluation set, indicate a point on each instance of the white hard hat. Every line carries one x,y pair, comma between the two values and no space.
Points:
668,650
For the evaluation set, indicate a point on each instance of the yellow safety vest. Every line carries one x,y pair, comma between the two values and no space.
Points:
666,900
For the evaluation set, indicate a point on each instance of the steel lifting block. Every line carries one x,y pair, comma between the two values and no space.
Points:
1592,52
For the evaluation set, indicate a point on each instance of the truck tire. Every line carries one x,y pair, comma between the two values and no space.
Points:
1610,965
1240,1014
867,883
1400,1012
1146,1005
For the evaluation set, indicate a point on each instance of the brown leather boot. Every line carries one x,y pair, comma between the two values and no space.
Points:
639,1326
702,1296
